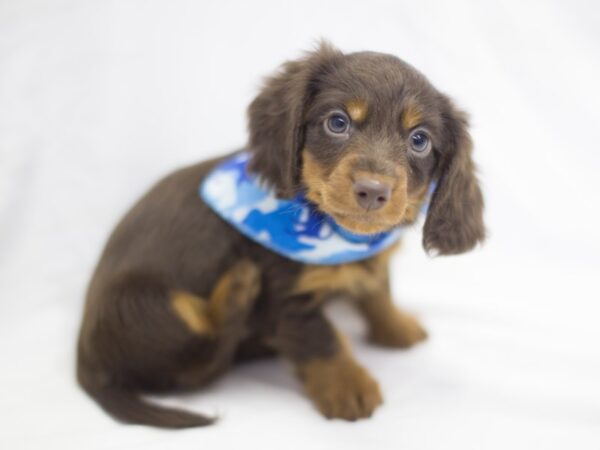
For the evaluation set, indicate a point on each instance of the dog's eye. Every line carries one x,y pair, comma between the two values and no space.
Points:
420,142
337,123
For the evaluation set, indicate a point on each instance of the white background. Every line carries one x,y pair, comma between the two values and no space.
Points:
98,99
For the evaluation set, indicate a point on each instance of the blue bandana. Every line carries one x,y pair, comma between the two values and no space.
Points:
292,228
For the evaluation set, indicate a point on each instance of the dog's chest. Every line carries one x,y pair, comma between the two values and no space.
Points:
323,280
354,279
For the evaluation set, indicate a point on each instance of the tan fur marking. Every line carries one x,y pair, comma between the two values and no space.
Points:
235,291
354,279
415,201
411,117
357,109
233,294
219,294
192,311
350,278
314,177
332,192
339,386
392,327
389,326
339,201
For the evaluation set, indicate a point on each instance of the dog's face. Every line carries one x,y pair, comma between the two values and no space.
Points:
370,133
364,135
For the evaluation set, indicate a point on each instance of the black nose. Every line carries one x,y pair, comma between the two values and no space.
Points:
371,194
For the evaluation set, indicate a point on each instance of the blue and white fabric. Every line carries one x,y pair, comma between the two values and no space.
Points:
293,228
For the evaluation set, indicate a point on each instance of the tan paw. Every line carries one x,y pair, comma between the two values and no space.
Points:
244,284
340,388
235,292
400,330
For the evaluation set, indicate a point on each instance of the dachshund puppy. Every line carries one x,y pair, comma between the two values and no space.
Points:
360,140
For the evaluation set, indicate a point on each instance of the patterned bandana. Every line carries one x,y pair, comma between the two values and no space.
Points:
292,228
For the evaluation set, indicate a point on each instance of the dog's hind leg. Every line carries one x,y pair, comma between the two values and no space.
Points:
221,318
144,338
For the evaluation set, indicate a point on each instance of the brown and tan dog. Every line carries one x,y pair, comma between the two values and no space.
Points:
179,295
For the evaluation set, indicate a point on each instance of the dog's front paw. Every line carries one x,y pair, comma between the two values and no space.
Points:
341,388
400,330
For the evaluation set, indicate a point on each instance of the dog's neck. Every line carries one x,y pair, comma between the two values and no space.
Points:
293,228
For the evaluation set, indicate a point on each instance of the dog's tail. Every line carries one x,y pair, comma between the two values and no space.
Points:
128,407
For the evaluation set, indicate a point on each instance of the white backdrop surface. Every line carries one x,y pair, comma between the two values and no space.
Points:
100,98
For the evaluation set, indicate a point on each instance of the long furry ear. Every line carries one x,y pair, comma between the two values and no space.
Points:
454,222
276,119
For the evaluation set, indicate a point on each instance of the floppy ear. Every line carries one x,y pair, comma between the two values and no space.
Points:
276,119
454,222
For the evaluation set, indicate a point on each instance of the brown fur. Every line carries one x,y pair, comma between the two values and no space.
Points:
339,386
178,295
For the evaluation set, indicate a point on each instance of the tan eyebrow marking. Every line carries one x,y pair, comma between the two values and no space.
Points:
357,109
411,116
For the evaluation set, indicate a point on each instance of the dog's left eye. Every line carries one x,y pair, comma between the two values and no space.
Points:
337,123
420,142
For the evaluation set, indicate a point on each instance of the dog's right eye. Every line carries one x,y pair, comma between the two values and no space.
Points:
337,124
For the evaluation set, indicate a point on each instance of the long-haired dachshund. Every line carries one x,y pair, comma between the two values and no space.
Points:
234,258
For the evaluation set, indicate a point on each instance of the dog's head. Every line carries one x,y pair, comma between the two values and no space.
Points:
363,135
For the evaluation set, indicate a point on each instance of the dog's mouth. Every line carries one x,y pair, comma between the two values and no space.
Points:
363,222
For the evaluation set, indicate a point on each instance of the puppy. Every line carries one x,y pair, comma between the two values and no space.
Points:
179,294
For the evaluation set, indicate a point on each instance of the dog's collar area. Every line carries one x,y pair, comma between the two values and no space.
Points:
349,235
292,228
